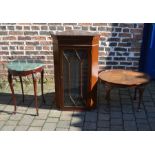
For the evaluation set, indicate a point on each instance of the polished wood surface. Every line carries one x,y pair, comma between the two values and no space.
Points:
124,77
76,40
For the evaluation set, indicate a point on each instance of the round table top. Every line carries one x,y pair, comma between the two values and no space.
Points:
20,66
124,77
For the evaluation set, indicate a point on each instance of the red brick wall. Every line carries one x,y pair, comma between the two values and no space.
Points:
119,44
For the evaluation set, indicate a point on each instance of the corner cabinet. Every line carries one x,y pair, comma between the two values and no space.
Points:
76,69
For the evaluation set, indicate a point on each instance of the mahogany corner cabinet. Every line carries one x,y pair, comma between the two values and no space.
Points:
76,69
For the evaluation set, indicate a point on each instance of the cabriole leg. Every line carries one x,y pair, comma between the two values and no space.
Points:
12,90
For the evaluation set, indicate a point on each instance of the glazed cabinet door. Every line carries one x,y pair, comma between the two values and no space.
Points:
75,76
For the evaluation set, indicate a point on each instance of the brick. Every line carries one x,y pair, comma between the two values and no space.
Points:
125,44
26,27
17,43
85,24
38,38
126,25
67,28
4,48
9,38
3,33
35,27
136,31
30,33
126,63
120,58
84,28
18,27
113,44
92,28
10,27
112,63
4,43
118,29
126,30
124,35
114,34
114,39
2,28
24,38
32,43
120,49
17,52
15,33
52,27
99,24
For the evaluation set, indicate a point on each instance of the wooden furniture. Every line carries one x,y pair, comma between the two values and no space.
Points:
124,78
24,68
76,69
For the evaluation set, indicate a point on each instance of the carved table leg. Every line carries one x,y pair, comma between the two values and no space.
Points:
141,91
135,95
12,90
21,82
42,86
107,92
35,92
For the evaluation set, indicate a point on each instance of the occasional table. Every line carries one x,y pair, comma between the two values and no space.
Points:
122,79
25,68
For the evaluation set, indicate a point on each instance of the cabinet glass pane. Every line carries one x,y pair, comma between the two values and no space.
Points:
75,77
